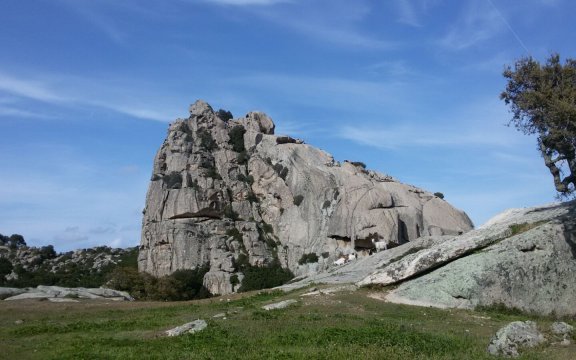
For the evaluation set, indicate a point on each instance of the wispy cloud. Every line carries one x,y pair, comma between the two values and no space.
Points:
407,13
83,92
479,22
246,2
335,92
335,21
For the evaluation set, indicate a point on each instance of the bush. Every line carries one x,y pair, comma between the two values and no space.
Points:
173,180
230,213
224,115
212,173
359,164
242,158
180,285
298,199
236,135
206,140
439,194
256,278
308,259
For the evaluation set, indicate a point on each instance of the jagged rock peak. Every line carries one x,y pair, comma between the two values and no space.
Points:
201,108
228,192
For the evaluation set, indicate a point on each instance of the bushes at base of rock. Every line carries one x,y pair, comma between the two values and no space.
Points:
256,278
308,259
180,285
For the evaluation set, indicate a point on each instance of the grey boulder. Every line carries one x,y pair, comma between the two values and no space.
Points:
514,336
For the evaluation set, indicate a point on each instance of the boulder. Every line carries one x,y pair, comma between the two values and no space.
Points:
188,328
6,292
58,292
280,305
514,336
523,259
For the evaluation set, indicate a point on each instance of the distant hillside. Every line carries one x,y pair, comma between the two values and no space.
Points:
28,266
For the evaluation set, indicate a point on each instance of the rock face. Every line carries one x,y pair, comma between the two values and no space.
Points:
524,258
228,191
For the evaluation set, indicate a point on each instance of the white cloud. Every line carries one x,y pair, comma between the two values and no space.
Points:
479,22
85,92
247,2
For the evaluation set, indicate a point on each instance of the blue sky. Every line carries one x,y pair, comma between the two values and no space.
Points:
410,87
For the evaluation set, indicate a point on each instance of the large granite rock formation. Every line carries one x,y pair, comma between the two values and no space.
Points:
226,191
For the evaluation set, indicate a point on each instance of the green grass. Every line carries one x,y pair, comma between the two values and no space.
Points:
341,326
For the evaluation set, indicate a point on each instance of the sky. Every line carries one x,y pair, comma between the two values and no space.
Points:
409,87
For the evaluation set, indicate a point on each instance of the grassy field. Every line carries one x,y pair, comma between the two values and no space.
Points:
339,326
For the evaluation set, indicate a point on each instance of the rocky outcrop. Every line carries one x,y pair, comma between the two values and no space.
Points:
228,191
58,292
523,258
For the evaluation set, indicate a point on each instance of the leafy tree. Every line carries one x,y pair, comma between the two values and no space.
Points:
236,135
542,99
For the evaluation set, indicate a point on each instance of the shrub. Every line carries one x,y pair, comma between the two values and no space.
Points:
206,140
256,278
308,258
359,164
213,173
252,197
267,228
236,135
298,199
230,213
326,204
439,194
234,280
173,180
242,158
224,115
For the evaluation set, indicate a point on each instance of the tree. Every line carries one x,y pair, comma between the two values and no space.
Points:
542,99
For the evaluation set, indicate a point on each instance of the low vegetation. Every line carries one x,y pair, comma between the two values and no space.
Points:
308,259
340,326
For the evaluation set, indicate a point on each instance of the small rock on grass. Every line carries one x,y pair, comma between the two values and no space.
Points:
280,305
188,328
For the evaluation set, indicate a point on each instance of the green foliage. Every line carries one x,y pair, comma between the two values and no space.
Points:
211,172
180,285
173,180
542,99
230,213
235,233
252,197
234,280
325,255
243,158
5,269
268,229
309,258
281,170
523,227
206,140
256,278
439,194
224,115
68,273
236,135
298,199
359,164
13,241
